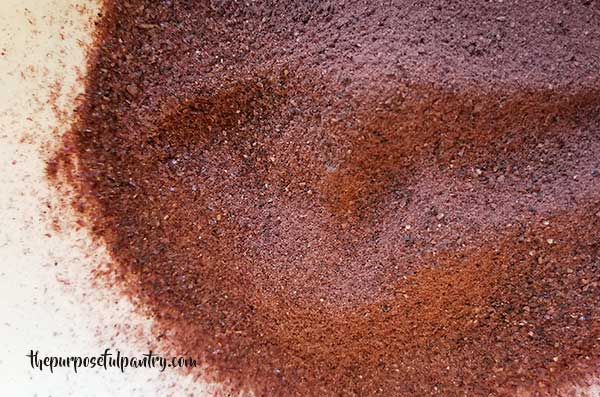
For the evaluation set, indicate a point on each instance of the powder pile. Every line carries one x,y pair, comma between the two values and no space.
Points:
341,198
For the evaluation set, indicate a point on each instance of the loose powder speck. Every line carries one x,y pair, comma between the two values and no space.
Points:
347,199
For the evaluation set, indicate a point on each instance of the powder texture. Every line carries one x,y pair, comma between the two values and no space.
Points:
347,199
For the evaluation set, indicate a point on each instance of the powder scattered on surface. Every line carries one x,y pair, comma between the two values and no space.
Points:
336,198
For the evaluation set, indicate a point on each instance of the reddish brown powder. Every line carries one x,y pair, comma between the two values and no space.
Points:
337,198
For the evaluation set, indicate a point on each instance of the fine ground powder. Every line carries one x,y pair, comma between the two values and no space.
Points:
344,198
